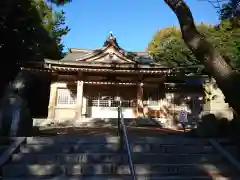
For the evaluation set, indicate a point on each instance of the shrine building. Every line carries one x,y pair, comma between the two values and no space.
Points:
91,84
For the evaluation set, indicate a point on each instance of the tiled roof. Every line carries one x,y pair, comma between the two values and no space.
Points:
77,54
72,56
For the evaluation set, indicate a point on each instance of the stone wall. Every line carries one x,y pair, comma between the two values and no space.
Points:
64,114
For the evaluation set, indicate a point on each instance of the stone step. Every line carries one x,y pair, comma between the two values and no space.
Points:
114,147
226,141
18,170
5,140
2,149
153,158
128,177
113,139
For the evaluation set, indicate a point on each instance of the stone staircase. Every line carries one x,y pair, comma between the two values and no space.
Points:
100,157
4,144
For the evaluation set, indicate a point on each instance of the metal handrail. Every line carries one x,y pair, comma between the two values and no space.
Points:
225,153
122,132
5,156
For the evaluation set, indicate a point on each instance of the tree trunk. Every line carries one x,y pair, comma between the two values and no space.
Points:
227,79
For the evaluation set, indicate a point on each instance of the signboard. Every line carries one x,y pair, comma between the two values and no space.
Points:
183,116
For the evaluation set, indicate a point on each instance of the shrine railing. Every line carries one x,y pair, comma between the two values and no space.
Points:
122,133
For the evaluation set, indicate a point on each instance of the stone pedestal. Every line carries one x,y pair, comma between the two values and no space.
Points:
220,110
215,101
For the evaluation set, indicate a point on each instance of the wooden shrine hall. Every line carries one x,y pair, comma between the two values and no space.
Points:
91,84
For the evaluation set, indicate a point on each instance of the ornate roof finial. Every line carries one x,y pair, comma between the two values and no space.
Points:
111,39
111,35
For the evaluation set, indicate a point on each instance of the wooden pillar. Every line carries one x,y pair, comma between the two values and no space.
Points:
52,98
79,103
140,100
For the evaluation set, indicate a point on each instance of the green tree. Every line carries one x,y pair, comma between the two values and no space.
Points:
53,21
227,9
168,47
230,9
226,40
29,30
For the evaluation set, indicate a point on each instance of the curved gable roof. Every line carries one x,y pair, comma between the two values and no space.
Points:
111,52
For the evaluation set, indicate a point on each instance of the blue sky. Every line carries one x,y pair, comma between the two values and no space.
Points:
133,22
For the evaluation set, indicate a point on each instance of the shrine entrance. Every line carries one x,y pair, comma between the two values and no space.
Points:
104,101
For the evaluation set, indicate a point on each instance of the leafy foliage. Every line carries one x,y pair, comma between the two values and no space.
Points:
30,30
168,48
60,2
231,11
52,21
34,27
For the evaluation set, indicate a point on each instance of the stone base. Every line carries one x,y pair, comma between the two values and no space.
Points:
93,122
42,122
220,110
84,122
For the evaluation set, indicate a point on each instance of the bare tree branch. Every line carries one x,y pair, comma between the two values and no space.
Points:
217,4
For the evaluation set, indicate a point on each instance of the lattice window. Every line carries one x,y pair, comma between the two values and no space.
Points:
104,103
107,101
126,103
115,103
92,101
66,97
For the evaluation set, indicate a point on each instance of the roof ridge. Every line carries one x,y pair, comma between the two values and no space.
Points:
72,50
